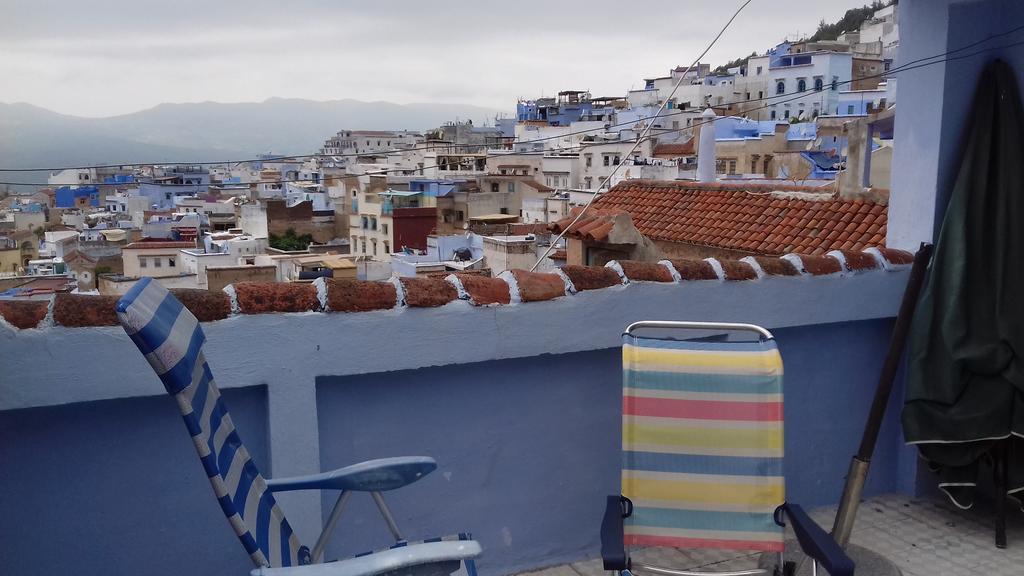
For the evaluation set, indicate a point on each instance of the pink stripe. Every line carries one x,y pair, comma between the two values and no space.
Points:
702,409
675,542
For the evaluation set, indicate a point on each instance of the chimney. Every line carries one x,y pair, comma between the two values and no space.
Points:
706,147
856,177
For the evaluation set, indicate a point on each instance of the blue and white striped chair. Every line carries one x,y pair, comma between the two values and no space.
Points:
170,338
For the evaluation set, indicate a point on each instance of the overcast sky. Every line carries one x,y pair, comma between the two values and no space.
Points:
108,57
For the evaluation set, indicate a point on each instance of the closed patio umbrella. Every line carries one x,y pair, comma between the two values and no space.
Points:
965,384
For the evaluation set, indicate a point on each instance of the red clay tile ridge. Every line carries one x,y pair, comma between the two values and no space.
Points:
512,286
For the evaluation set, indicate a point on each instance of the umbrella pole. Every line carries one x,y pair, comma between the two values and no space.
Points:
862,461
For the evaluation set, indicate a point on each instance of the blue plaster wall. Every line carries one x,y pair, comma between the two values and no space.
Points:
969,23
527,448
115,487
929,135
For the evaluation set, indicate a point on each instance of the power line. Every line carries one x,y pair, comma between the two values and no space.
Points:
639,139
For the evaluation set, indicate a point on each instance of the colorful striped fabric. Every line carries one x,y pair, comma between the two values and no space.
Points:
702,432
170,338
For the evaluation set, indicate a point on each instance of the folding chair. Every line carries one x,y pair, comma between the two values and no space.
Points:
170,338
702,443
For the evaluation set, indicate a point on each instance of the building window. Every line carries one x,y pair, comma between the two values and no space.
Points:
547,181
835,83
780,87
758,70
156,262
849,109
364,246
785,114
590,160
748,95
387,247
732,166
801,85
818,84
460,215
373,223
366,222
675,124
171,262
773,114
383,227
607,160
616,160
142,262
588,181
503,210
760,94
511,187
374,242
494,187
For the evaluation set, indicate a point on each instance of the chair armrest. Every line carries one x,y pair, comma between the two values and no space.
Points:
817,543
613,550
370,476
384,561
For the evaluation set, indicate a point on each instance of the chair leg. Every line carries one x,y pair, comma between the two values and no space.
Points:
332,521
378,498
1002,480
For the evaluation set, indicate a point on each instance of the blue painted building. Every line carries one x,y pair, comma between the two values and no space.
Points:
76,197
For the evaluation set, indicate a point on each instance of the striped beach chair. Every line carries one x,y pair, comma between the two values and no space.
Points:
170,338
702,449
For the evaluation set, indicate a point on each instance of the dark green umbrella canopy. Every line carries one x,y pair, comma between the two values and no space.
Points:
965,384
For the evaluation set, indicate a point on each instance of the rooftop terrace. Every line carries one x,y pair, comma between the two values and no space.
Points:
513,384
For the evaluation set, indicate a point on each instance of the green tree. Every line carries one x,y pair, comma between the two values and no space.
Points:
290,241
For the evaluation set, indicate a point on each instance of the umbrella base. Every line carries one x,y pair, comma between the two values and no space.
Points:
868,562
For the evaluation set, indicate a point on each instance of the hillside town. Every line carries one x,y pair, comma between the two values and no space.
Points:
562,290
787,151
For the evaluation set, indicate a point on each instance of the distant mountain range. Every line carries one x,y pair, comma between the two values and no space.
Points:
36,137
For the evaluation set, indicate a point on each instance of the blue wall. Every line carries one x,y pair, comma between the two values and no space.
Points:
527,448
116,487
65,196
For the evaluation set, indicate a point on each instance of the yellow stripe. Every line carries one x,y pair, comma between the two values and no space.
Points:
664,359
768,494
768,438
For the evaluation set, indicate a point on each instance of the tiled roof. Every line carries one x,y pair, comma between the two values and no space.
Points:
595,225
753,218
538,186
673,150
514,286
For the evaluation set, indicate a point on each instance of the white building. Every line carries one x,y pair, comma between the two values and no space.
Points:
72,177
597,161
560,171
803,85
370,141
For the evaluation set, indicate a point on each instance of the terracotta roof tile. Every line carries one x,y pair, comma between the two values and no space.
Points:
346,295
25,313
534,286
591,277
427,292
484,290
725,215
645,271
260,298
673,150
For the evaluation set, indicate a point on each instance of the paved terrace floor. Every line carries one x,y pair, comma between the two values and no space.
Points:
922,537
